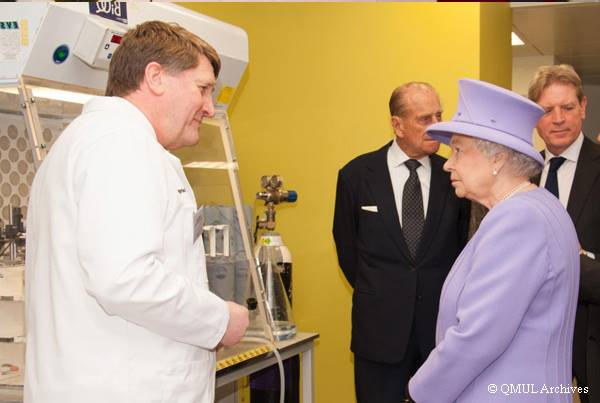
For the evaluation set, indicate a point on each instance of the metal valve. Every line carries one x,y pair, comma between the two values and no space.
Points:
272,195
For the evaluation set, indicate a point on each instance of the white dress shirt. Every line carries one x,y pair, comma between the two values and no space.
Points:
399,174
566,172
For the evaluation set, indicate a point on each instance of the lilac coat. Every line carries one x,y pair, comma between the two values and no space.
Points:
507,309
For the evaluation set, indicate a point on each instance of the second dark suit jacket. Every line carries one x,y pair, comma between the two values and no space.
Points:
390,289
584,208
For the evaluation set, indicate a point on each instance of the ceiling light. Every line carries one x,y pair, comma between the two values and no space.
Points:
51,93
515,40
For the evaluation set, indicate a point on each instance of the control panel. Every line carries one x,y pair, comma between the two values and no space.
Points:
97,43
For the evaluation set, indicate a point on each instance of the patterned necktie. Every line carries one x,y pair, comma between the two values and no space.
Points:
413,218
552,178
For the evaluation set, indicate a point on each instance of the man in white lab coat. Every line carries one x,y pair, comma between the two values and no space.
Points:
118,306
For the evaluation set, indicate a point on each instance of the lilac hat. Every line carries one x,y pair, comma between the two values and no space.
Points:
488,112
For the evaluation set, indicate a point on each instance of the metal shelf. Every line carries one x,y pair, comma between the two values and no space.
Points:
11,283
11,387
13,380
12,339
12,298
212,165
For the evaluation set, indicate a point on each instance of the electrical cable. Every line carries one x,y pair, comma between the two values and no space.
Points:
279,362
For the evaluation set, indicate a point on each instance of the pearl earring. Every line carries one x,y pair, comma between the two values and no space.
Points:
494,172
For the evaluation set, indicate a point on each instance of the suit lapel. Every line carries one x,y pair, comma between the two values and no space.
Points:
438,192
587,171
381,188
536,179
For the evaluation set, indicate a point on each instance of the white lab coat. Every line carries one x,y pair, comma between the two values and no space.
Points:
117,301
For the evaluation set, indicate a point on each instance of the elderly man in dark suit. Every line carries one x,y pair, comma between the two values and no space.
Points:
572,173
398,227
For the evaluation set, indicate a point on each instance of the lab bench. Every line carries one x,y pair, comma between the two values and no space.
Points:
232,364
247,358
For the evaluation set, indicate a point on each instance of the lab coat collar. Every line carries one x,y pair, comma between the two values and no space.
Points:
119,107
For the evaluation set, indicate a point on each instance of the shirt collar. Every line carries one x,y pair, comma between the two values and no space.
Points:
571,153
398,157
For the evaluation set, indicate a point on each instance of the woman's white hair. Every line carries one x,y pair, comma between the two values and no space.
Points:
519,164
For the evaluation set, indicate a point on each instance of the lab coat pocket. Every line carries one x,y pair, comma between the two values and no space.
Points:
191,382
193,252
188,214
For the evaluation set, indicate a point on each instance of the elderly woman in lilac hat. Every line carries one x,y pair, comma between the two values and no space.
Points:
507,308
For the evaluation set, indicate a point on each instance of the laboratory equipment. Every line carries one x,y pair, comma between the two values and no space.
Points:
11,236
274,261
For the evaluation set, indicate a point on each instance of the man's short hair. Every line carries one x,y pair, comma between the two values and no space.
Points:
170,45
548,75
398,104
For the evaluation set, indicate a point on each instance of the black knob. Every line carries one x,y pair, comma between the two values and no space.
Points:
252,303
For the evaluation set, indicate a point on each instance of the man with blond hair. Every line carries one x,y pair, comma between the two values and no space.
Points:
118,306
398,227
572,173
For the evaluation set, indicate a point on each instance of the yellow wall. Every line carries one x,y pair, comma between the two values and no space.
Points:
315,96
495,49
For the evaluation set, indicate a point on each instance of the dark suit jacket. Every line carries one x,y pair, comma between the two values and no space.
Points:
584,208
390,289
